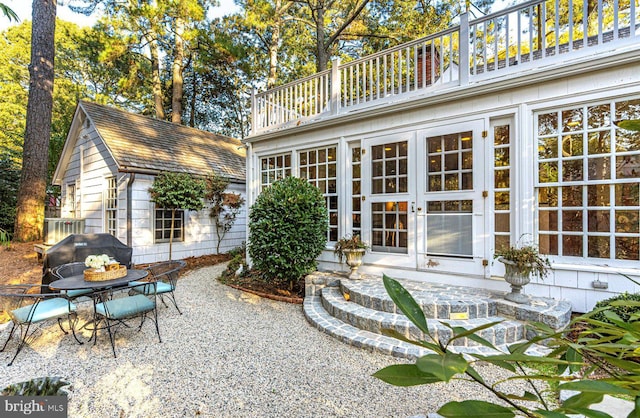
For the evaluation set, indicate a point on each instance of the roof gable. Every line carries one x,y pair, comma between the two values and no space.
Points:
140,143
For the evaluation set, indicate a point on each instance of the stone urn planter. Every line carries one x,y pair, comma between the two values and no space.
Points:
517,278
353,259
351,249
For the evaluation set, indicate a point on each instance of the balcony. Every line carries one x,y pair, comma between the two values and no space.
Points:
530,36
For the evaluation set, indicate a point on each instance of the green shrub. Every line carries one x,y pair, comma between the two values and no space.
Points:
624,311
287,230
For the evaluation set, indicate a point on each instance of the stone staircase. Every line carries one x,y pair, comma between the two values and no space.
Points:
356,312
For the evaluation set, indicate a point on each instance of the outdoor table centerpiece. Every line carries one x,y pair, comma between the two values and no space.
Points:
102,267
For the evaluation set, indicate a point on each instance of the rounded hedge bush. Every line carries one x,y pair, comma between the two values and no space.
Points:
623,311
287,230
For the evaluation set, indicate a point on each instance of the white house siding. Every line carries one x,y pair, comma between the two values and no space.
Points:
515,100
89,167
199,231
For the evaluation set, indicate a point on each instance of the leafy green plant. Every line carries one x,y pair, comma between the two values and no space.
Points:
349,242
566,354
42,386
175,191
225,206
287,230
5,239
623,309
525,258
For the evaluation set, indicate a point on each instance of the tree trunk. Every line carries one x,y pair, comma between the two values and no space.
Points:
178,56
274,45
33,182
157,83
321,50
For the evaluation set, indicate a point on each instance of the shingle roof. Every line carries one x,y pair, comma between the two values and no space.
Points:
142,143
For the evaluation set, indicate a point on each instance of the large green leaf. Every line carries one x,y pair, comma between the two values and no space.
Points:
591,413
395,334
595,386
460,332
549,414
528,396
629,125
581,401
474,409
444,366
406,303
405,375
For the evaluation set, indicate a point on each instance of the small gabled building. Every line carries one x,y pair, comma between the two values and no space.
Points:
109,162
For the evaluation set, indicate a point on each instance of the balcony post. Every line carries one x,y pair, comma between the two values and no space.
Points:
335,85
463,69
254,113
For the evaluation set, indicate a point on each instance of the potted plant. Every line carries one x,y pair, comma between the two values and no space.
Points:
351,248
519,263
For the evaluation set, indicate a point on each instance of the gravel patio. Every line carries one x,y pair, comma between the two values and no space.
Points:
231,354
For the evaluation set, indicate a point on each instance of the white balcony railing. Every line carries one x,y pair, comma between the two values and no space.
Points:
516,39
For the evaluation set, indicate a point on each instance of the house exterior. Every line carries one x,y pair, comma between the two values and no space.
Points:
109,162
497,131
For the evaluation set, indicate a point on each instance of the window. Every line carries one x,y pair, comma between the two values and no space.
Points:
449,228
389,168
71,199
111,206
162,230
319,167
389,227
450,162
356,191
274,168
589,182
501,187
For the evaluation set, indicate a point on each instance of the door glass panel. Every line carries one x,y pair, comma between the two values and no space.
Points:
449,226
389,168
389,227
450,162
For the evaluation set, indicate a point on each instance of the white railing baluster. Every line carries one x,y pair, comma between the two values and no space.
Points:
615,19
556,28
600,31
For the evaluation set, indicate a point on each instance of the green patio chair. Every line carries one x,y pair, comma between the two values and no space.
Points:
27,305
165,275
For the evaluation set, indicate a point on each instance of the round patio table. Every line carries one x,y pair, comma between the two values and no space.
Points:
78,282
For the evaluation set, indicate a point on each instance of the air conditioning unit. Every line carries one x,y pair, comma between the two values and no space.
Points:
56,229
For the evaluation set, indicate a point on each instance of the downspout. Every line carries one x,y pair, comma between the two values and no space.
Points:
132,177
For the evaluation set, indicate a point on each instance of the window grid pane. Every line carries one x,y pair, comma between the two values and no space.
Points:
450,162
502,187
389,164
389,227
588,187
319,167
274,168
356,191
111,206
162,231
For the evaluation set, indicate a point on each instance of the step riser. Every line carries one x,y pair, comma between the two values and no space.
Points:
442,310
365,319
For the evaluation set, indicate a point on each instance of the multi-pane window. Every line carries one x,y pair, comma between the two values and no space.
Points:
501,186
319,167
274,168
389,163
71,199
589,182
450,162
356,191
450,228
162,230
389,227
111,206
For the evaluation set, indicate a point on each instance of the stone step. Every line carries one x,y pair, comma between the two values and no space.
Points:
333,301
436,300
322,320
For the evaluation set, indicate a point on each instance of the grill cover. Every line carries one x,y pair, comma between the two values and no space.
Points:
76,247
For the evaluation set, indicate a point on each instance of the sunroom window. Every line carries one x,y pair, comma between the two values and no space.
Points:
589,182
319,167
273,168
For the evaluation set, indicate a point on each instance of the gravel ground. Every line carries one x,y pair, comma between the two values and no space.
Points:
231,354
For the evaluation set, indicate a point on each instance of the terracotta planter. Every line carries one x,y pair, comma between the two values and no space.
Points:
516,278
354,260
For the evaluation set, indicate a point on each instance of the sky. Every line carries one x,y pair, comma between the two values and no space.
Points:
23,10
